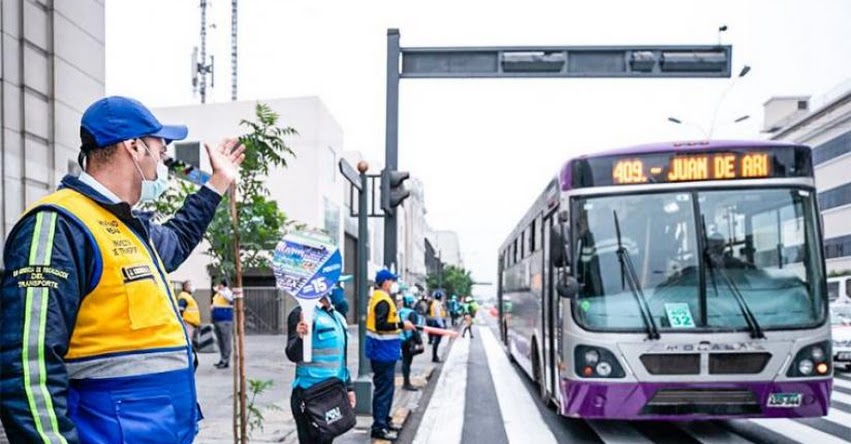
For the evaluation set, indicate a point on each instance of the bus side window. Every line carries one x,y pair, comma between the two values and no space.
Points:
833,291
848,287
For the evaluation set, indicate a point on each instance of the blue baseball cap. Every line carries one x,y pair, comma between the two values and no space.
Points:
385,275
114,119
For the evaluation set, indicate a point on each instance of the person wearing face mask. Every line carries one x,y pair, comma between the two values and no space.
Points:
94,349
329,341
383,347
338,295
436,318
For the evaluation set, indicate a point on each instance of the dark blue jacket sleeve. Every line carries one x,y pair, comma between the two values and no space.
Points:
48,261
175,239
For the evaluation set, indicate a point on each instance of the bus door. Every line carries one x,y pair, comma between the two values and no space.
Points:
549,306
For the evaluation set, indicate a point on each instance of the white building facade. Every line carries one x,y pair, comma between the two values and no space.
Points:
824,123
447,247
52,70
412,234
309,190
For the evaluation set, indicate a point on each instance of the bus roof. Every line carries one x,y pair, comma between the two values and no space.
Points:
565,175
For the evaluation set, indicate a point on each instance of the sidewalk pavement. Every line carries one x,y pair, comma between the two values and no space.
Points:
265,360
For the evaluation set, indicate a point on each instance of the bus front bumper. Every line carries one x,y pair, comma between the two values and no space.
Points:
694,401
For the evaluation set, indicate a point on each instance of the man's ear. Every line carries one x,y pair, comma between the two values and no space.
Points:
131,146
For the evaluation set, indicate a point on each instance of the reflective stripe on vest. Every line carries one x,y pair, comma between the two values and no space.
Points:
392,315
131,309
128,365
383,346
329,342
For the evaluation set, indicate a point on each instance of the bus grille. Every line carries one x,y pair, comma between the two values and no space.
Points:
737,363
672,364
702,401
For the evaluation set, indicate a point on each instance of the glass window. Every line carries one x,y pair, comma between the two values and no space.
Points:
532,246
656,234
773,272
832,291
759,244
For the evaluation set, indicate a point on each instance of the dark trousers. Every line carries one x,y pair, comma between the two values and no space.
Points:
467,328
434,345
384,380
224,333
302,423
407,358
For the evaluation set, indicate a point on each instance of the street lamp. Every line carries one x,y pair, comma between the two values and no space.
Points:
681,122
745,70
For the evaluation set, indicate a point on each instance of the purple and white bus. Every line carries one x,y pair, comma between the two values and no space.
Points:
673,281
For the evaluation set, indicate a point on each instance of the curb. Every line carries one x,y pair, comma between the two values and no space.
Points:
401,414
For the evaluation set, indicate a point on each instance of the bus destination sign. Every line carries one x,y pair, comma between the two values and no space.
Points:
692,167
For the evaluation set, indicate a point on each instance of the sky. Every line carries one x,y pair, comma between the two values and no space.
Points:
485,149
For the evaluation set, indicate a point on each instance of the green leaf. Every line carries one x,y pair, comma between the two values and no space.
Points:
261,222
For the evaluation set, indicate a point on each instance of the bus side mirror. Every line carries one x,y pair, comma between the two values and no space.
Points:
568,287
558,252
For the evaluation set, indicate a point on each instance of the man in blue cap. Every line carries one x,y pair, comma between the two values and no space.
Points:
383,348
93,347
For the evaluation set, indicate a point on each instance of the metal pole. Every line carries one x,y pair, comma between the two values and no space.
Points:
391,138
202,69
239,361
363,383
233,42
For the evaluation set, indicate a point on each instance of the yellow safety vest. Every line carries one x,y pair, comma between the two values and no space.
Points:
392,317
191,315
131,309
382,346
436,310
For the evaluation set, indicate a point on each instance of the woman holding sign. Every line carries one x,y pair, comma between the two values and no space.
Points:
326,369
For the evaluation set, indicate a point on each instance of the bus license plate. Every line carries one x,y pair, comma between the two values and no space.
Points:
784,400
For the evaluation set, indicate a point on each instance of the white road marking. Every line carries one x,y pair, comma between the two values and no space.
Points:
617,432
709,433
443,421
522,420
797,431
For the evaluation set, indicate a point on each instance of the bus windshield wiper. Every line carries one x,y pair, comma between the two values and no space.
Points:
716,262
634,286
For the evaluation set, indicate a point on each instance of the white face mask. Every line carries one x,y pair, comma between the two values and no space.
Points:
152,189
394,288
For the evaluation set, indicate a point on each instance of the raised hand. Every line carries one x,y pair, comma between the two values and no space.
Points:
225,161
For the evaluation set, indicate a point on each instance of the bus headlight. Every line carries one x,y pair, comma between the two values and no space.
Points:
812,360
596,362
805,367
591,357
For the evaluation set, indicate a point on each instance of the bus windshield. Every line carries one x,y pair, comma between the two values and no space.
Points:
692,252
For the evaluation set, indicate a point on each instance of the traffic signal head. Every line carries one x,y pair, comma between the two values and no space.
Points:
393,191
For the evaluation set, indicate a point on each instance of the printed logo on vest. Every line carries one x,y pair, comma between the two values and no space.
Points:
137,273
333,415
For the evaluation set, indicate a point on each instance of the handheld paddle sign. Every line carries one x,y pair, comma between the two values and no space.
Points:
307,265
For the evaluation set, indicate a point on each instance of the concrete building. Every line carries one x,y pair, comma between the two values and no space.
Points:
52,69
824,123
309,190
447,247
412,235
